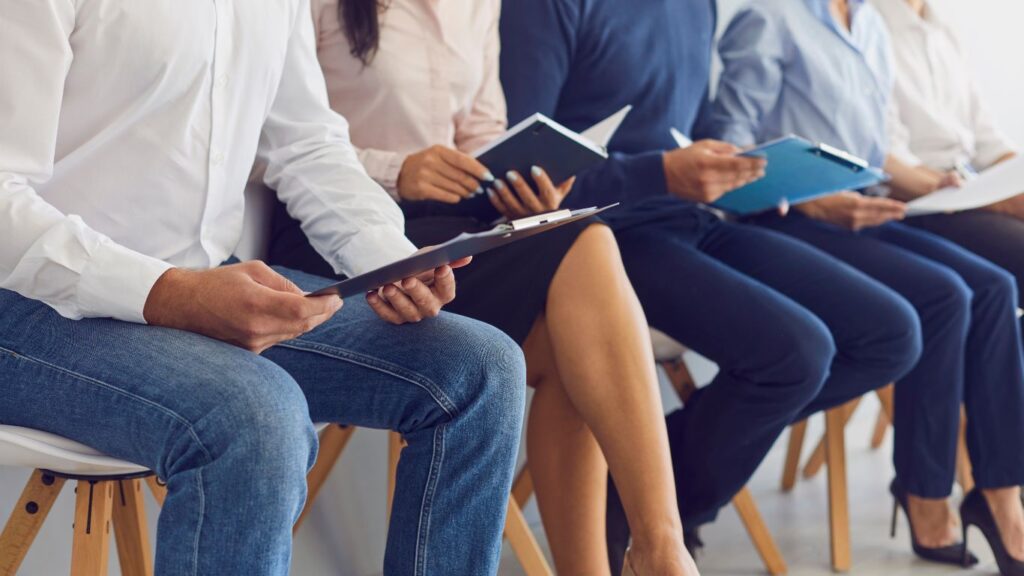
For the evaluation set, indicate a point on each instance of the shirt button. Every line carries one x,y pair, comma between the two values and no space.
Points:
222,80
217,158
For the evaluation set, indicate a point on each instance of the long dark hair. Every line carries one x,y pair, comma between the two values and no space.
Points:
361,21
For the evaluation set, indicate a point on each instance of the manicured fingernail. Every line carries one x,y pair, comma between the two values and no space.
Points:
408,283
490,193
390,291
488,176
536,171
479,190
499,184
511,176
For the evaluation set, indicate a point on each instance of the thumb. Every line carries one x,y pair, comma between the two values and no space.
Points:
719,147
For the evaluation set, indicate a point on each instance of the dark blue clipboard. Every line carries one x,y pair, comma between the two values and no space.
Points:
799,171
455,249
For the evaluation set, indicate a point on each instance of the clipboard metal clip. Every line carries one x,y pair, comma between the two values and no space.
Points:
540,219
842,157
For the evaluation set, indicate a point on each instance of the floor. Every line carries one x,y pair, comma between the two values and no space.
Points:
799,520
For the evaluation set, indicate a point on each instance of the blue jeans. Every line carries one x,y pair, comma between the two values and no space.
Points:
232,432
971,356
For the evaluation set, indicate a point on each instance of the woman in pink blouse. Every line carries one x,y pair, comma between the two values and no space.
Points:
418,82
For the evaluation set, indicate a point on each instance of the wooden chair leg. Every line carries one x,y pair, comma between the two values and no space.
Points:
90,548
158,489
524,545
765,545
332,443
885,415
838,501
27,518
680,377
522,488
395,445
793,452
817,459
964,470
130,530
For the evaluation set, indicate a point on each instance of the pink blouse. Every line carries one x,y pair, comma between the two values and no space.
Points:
434,80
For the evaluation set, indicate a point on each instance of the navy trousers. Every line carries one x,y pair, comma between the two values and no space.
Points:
971,355
792,330
998,238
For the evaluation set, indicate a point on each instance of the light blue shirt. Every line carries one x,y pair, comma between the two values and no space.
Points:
790,68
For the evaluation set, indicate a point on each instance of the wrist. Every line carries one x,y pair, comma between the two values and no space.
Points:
166,298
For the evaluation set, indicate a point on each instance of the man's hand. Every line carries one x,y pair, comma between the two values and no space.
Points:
707,170
442,174
517,200
248,305
415,299
854,211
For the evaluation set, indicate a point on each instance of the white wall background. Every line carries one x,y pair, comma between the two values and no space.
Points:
345,533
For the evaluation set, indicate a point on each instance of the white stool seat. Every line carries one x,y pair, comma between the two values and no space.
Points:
31,448
37,449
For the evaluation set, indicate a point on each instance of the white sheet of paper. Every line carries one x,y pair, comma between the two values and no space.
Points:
602,132
682,140
996,184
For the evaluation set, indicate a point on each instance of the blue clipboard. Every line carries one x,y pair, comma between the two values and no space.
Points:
799,171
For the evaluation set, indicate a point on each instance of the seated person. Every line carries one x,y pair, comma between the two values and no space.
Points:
822,69
122,172
563,296
792,330
939,127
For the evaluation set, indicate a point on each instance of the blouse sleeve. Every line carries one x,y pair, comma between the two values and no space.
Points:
488,116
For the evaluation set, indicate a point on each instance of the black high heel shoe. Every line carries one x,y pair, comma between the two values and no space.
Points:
974,511
956,554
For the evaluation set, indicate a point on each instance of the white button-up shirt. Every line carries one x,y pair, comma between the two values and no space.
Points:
938,118
127,134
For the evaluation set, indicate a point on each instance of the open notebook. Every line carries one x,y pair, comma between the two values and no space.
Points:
540,141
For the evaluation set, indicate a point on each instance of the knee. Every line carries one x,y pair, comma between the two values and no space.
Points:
896,345
491,376
806,350
999,287
258,426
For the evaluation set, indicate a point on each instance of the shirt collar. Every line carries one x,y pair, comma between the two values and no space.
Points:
820,9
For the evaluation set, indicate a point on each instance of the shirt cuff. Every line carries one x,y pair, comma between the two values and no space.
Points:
372,248
986,156
116,282
384,167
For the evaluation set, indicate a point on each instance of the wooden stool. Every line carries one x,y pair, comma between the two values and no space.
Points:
108,494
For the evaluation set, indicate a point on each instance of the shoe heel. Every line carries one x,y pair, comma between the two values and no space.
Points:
895,511
966,561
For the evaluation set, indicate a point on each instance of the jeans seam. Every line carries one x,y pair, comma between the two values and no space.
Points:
86,379
199,523
426,507
418,380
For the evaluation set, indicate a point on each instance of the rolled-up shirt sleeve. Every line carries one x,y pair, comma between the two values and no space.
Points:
990,143
47,255
752,51
349,219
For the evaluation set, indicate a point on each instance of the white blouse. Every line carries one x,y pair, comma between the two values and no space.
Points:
938,119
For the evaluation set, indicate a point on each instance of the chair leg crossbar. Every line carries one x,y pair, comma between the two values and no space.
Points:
100,504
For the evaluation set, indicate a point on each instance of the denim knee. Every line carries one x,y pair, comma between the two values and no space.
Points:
489,377
258,425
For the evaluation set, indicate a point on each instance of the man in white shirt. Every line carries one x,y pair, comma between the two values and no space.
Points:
127,133
941,131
